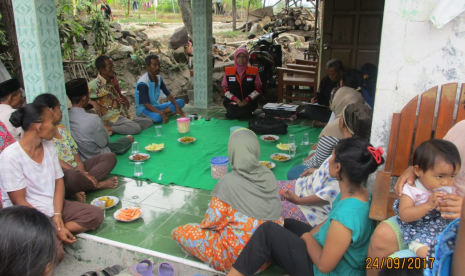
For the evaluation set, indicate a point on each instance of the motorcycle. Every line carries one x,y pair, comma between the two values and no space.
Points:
266,56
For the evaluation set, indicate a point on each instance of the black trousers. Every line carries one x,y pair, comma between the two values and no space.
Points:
317,113
280,244
236,112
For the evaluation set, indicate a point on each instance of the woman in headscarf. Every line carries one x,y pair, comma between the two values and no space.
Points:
242,200
241,87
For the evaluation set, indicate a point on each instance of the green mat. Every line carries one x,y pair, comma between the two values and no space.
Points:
189,165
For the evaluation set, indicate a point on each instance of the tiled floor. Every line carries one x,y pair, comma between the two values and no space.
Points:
163,207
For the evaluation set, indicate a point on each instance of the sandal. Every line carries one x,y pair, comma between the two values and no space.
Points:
142,268
112,271
167,269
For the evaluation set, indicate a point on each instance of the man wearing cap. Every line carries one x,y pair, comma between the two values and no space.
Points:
11,98
110,104
87,129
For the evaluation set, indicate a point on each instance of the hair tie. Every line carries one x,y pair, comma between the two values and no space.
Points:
377,153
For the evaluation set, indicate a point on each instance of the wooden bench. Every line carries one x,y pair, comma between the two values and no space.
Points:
293,79
408,130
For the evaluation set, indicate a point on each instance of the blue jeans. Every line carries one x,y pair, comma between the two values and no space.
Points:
295,172
157,117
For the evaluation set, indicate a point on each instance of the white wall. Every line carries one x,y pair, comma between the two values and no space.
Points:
414,57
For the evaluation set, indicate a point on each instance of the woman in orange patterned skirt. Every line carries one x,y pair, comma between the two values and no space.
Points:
242,200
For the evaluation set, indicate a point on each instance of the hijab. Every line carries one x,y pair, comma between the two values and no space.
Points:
250,188
345,95
240,69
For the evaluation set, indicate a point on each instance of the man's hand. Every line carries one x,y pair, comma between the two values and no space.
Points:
291,196
244,102
164,118
450,203
408,176
97,108
239,103
179,112
308,172
125,101
314,100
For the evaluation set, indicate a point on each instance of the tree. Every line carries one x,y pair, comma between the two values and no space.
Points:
186,12
234,14
6,10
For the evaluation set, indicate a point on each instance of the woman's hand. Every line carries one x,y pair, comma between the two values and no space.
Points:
291,196
450,203
308,172
408,176
80,167
239,103
63,234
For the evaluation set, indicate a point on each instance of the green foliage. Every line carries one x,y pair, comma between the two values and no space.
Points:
3,39
231,34
298,44
101,29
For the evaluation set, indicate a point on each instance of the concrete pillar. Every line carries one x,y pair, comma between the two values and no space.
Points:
203,68
39,48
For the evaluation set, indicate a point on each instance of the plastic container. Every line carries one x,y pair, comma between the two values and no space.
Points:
234,128
184,124
220,166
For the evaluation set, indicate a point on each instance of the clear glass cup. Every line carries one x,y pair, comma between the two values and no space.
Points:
446,190
158,130
291,139
192,117
135,148
305,139
292,150
138,169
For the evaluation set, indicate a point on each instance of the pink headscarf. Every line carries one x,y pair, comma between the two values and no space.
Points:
240,69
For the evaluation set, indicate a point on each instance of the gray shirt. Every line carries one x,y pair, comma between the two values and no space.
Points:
87,130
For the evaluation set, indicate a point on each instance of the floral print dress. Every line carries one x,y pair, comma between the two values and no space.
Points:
321,184
220,237
66,146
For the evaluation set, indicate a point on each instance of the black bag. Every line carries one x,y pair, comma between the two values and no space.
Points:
268,125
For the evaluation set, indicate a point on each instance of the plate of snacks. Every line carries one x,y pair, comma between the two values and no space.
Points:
280,157
186,140
110,201
139,157
283,146
128,214
155,147
269,138
268,164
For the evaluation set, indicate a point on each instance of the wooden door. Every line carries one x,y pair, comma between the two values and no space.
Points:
351,32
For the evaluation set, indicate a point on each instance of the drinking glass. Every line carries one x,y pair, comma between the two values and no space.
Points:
446,190
138,169
305,139
158,130
192,117
291,139
292,150
135,148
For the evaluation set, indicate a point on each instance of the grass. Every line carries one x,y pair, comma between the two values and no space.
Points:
147,16
229,34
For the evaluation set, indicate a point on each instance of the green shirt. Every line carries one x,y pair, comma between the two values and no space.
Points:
353,214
